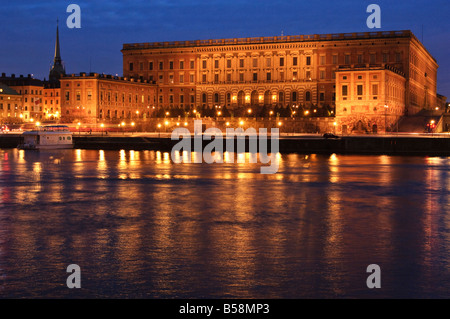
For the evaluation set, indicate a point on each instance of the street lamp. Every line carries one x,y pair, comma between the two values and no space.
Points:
79,128
102,125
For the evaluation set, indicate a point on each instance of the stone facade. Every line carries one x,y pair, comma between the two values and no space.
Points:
287,71
90,98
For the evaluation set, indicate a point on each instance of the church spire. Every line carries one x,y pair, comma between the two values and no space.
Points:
57,58
57,69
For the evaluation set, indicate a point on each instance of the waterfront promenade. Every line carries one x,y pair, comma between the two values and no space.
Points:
390,144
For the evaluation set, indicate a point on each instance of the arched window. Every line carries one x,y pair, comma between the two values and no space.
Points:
216,97
294,97
228,98
308,96
241,98
204,97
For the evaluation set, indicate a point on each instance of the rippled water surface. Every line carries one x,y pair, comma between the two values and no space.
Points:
139,225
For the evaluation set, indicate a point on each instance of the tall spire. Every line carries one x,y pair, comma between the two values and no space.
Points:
57,49
57,69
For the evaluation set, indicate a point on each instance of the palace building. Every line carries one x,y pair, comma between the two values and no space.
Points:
94,97
370,79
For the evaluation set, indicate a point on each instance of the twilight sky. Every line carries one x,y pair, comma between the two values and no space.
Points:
28,27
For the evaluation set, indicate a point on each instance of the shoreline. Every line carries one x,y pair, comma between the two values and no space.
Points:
434,145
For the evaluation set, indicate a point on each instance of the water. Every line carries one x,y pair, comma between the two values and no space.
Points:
139,225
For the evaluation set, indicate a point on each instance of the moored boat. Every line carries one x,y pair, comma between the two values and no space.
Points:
47,137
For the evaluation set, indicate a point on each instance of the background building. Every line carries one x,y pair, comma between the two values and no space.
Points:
90,98
10,104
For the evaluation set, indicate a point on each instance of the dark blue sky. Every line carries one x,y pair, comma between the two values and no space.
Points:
27,33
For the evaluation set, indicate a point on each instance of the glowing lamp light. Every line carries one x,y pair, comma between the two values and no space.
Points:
241,122
132,124
249,111
166,123
185,124
38,123
279,123
228,123
123,123
159,125
102,125
306,112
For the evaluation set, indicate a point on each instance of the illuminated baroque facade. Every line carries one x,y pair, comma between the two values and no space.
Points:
286,71
94,97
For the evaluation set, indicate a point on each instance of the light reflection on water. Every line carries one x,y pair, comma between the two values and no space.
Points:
141,226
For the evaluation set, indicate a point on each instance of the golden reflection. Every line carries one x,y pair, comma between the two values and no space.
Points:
102,166
21,157
228,158
385,170
158,157
186,158
166,157
78,155
333,162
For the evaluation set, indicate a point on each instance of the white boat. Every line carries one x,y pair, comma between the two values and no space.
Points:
47,137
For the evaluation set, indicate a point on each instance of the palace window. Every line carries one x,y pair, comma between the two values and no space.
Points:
171,65
204,64
255,76
181,65
150,66
308,60
360,58
281,61
228,63
268,62
359,89
322,60
216,64
335,59
192,64
344,90
347,59
131,66
161,65
241,63
295,61
308,96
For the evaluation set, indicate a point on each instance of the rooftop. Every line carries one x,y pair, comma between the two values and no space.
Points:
276,39
6,90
